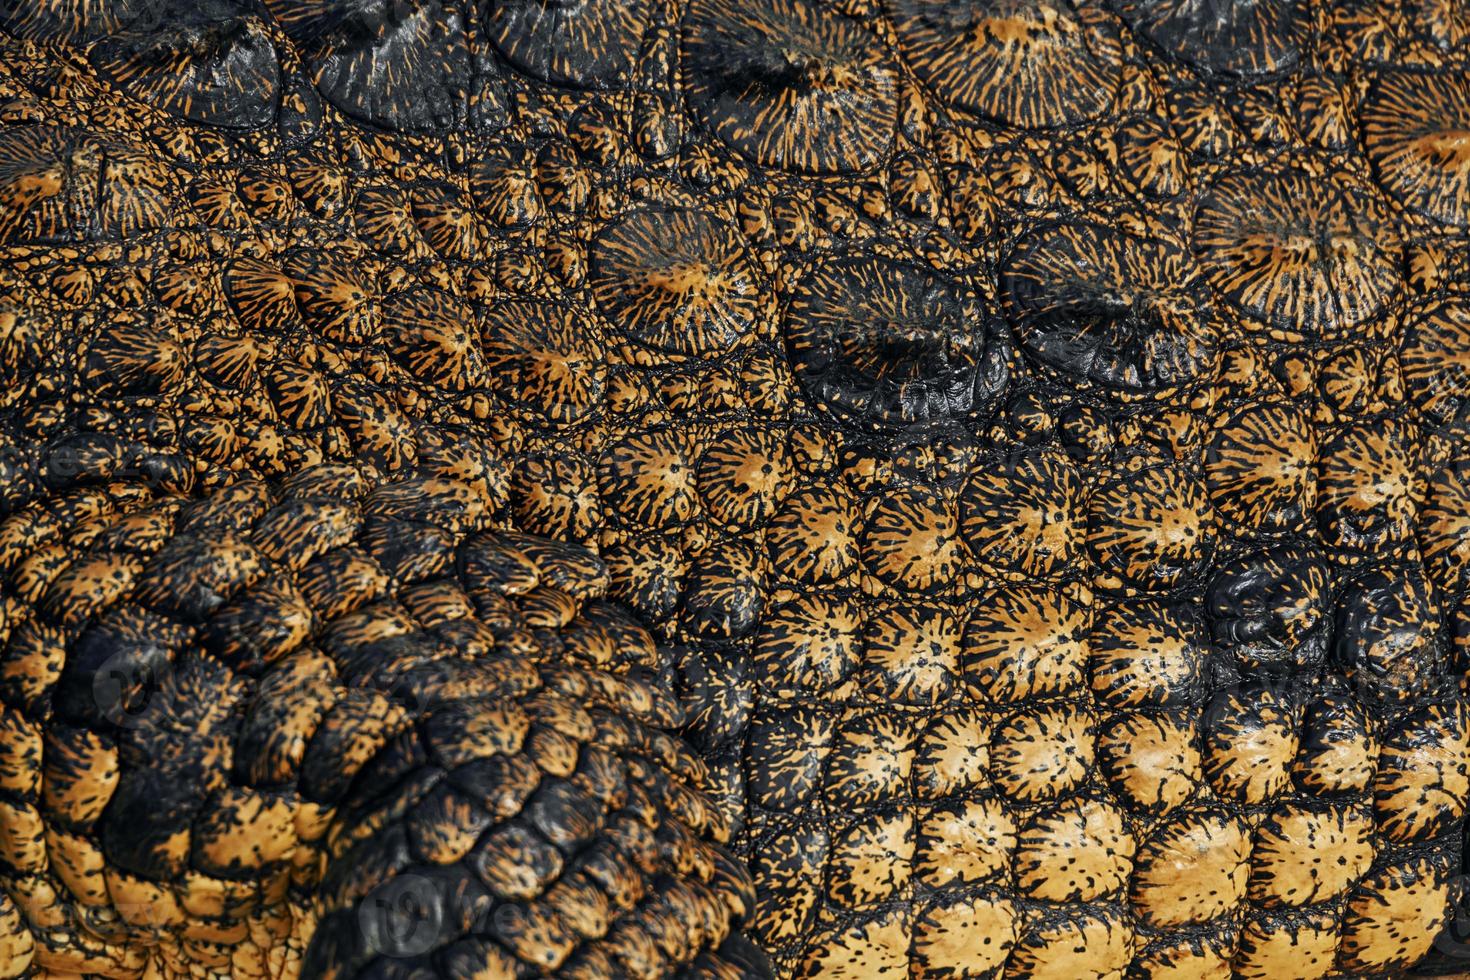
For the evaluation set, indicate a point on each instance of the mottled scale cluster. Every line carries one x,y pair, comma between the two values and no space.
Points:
339,726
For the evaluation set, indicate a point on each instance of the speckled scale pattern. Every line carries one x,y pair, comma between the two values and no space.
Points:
763,487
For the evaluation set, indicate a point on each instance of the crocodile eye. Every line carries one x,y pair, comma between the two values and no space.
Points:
1251,38
1300,255
1032,63
208,63
789,84
883,343
591,43
1416,126
676,280
1102,307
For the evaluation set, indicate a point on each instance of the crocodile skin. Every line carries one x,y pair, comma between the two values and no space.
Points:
734,488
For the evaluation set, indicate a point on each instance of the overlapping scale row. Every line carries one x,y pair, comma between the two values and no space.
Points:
357,689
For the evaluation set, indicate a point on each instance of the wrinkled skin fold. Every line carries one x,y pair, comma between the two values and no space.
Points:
734,488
